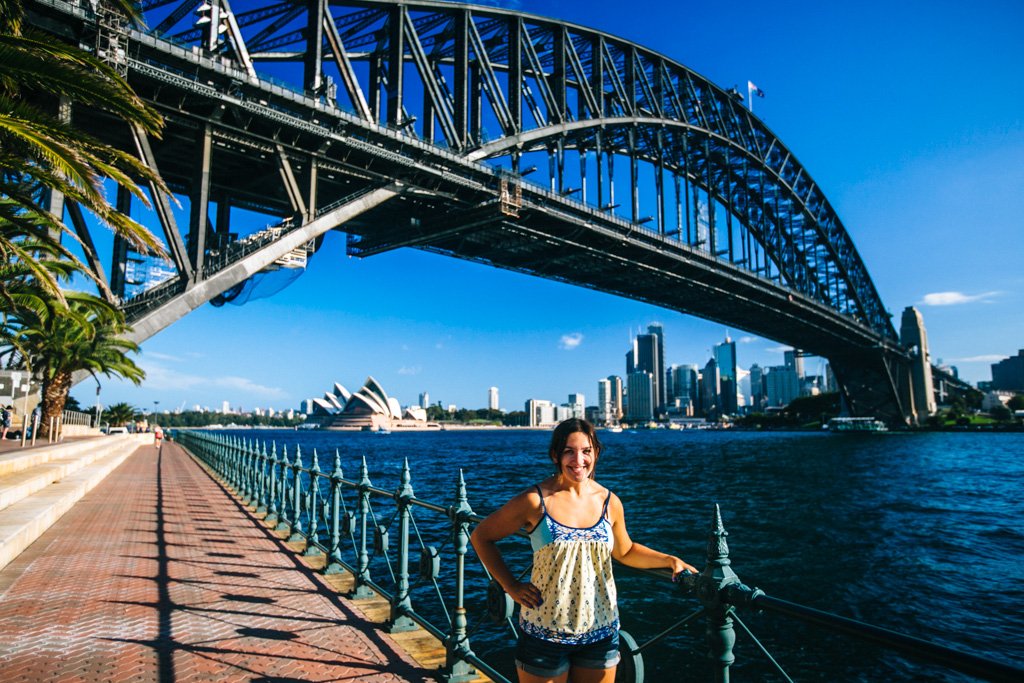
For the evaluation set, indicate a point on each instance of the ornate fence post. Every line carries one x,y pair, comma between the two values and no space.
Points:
362,588
312,509
245,459
334,565
716,576
283,523
297,531
271,517
261,479
401,604
457,669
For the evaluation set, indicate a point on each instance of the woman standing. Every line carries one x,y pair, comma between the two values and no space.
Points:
569,620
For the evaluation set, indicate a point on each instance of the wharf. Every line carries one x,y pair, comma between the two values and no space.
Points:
159,574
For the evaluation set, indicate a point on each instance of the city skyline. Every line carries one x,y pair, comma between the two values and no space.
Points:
927,183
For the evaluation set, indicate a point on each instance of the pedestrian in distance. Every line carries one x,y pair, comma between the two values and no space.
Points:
5,421
158,437
569,622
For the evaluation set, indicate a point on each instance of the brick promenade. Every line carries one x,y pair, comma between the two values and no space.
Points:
159,575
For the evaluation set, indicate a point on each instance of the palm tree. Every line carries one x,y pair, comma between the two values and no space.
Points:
120,414
39,151
86,334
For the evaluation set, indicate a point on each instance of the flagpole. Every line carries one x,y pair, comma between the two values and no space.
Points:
750,97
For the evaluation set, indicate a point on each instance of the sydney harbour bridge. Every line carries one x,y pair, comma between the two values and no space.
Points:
509,139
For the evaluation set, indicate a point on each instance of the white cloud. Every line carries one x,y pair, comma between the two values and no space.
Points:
159,378
156,355
414,370
779,349
985,358
747,340
956,298
570,341
249,387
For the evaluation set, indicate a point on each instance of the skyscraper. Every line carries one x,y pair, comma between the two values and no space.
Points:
725,358
660,389
757,392
1008,374
640,391
710,390
795,362
615,386
492,398
604,401
645,356
578,405
424,400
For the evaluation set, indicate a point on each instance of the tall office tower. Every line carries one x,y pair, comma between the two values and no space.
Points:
781,386
424,400
578,405
492,398
710,390
725,358
685,379
914,337
640,389
644,357
616,397
660,390
756,388
225,408
604,401
795,362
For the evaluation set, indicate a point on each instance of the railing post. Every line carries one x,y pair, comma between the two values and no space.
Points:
334,565
716,576
312,509
297,534
282,520
457,668
401,603
362,589
271,517
245,461
261,479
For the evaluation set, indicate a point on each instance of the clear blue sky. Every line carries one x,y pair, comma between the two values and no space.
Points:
909,115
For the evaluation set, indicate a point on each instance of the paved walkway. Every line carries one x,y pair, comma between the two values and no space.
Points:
158,574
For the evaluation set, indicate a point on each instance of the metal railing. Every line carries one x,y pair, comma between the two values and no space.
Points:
345,518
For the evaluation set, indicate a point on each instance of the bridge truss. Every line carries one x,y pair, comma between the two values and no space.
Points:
424,124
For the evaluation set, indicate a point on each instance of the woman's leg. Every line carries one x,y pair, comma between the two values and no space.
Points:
578,674
525,677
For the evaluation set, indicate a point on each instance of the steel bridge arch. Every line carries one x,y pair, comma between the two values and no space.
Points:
358,110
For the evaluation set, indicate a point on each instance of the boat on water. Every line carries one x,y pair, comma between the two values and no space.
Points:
856,424
614,430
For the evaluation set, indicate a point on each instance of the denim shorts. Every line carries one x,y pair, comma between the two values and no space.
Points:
549,659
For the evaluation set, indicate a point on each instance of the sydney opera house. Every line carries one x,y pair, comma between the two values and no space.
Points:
369,408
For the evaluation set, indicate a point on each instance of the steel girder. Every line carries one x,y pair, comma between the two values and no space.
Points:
423,92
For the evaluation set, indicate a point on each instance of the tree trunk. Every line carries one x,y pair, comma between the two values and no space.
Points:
55,394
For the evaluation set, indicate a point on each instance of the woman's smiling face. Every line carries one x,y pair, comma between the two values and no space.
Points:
577,459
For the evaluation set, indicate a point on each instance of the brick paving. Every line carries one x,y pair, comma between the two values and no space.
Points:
159,575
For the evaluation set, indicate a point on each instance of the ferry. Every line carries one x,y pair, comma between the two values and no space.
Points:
856,424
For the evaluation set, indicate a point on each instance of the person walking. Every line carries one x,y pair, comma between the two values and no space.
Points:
5,421
569,621
158,437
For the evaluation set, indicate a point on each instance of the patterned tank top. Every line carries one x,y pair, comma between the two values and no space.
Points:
572,568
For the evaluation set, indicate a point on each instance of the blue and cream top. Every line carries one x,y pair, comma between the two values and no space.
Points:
572,568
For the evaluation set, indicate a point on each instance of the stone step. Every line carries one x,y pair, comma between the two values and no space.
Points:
21,523
23,459
22,483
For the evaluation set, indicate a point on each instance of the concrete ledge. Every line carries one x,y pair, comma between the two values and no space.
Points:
23,459
25,521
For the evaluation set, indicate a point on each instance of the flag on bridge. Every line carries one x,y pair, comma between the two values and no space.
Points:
754,89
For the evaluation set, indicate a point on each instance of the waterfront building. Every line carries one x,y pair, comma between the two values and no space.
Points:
914,337
1008,374
225,407
640,391
782,385
563,412
540,413
794,360
492,398
757,390
368,408
578,405
424,400
645,356
685,380
307,407
710,390
661,390
728,378
617,401
604,401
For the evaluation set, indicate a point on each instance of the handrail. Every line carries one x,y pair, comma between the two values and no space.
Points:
311,506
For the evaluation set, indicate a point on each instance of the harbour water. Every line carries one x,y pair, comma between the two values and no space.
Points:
920,533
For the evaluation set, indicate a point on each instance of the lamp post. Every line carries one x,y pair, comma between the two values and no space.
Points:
15,381
24,410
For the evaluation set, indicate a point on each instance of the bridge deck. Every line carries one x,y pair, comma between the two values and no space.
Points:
159,574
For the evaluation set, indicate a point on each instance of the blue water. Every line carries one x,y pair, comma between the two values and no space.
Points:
920,533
